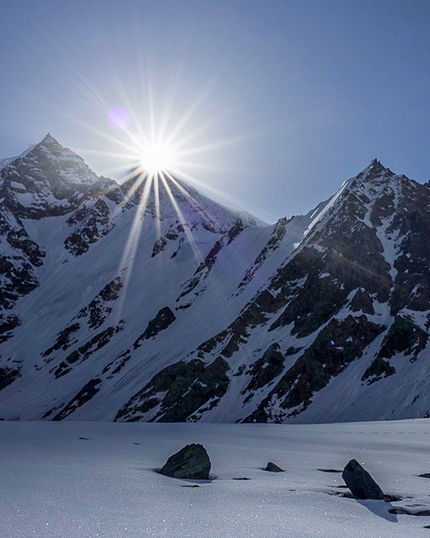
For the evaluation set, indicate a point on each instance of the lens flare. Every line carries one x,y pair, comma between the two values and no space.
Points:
119,118
157,158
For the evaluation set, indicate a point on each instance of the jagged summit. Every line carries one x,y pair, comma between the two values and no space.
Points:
374,170
68,165
376,167
48,178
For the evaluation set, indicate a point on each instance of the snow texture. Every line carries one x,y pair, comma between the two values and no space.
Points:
80,480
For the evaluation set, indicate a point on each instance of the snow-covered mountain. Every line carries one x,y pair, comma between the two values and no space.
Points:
151,302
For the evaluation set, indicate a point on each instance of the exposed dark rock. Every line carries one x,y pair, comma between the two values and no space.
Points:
389,498
207,389
18,279
359,481
254,314
377,370
338,344
173,232
292,351
185,386
412,222
424,475
403,337
98,311
162,320
8,376
93,223
330,471
88,391
265,369
203,269
63,369
273,468
273,243
175,379
235,230
211,257
64,339
44,175
410,512
98,341
111,291
7,324
52,410
191,462
362,302
205,266
190,285
19,240
83,352
316,286
117,364
158,246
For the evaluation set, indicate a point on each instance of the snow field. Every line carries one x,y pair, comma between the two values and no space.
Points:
85,480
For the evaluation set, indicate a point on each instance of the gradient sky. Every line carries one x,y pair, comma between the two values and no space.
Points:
277,101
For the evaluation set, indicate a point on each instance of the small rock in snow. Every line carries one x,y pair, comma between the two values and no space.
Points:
273,468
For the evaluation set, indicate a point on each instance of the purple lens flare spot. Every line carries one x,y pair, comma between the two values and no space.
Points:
119,117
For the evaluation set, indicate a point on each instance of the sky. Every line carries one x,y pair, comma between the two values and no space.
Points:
270,104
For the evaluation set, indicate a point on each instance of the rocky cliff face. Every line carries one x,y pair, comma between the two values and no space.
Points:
137,303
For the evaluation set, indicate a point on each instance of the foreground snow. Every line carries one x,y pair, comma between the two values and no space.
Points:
73,480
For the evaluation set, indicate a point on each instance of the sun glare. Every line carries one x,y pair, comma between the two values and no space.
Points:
156,158
160,149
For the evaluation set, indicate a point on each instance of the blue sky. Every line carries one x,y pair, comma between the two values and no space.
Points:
275,101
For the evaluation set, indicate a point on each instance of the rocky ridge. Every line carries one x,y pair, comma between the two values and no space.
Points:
122,306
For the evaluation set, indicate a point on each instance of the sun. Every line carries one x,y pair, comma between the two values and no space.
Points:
156,158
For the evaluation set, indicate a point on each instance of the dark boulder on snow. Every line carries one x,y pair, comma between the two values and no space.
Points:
273,468
190,462
360,482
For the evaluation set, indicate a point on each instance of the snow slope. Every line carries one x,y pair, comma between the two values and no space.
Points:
80,480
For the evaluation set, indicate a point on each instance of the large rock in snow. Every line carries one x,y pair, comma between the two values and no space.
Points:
190,462
360,482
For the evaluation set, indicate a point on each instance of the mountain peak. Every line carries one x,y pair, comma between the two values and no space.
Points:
48,179
48,138
69,166
375,169
51,143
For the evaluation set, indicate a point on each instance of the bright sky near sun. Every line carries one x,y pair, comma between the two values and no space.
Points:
263,105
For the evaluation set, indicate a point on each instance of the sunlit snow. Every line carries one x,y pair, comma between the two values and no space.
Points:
76,480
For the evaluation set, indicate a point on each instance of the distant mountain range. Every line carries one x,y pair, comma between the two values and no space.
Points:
140,302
